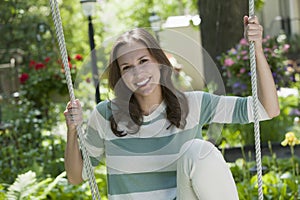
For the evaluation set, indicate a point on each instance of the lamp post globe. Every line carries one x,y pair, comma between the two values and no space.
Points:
88,7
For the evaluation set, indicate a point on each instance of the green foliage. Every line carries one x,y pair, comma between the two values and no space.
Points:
271,130
134,13
278,182
28,25
23,145
294,52
2,192
28,186
280,176
18,19
259,4
24,186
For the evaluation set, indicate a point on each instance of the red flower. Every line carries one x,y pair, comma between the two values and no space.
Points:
23,78
39,66
32,63
78,57
88,80
47,59
63,67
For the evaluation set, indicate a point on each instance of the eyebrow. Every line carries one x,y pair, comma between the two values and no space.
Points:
142,57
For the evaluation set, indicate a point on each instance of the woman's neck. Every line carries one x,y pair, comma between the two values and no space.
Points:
149,104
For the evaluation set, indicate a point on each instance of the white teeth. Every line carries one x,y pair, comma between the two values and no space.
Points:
143,82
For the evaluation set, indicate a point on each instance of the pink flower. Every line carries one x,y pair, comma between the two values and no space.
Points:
242,70
23,78
245,57
243,41
78,57
228,62
244,52
266,38
286,47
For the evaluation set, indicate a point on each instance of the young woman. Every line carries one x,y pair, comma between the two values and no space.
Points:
150,134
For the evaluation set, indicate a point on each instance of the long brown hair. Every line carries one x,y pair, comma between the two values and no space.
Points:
125,108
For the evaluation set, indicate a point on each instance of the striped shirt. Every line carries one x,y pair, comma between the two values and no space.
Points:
143,165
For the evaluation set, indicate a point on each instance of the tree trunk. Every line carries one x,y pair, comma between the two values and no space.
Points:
221,26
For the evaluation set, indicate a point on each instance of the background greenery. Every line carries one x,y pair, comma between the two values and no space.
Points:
31,156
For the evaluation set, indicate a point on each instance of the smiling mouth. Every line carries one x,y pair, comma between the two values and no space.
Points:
144,82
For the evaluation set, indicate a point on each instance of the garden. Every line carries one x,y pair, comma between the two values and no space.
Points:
33,131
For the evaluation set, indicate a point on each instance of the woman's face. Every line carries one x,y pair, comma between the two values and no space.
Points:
139,69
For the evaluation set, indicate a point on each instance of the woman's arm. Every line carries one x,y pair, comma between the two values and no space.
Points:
267,92
73,158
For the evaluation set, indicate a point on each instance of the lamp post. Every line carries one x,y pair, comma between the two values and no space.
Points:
88,10
155,23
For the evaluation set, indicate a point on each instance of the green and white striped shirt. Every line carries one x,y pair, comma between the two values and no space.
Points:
143,165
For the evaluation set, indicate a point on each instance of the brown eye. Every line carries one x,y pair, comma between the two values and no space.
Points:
143,60
126,68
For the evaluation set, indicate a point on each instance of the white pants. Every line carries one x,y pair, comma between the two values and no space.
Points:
202,173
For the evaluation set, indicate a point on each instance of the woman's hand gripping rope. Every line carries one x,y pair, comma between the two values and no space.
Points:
73,115
253,31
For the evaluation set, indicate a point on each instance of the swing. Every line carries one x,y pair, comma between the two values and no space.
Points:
87,163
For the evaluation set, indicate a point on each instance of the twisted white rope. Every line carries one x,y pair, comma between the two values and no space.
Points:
255,109
62,46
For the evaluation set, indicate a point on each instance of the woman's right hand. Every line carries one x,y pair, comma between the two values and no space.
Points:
73,115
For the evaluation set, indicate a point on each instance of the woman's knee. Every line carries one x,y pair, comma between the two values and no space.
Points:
197,148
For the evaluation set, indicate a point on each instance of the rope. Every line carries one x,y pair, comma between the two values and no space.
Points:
255,110
62,46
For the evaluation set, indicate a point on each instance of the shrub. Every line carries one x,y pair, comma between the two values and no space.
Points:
236,67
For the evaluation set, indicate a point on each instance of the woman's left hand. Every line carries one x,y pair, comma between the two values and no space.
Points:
253,31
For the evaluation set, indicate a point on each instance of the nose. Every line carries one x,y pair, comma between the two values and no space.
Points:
137,69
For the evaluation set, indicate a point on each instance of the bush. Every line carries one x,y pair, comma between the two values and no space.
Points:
29,186
236,70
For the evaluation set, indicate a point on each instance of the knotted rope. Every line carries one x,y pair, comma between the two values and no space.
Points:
63,51
255,109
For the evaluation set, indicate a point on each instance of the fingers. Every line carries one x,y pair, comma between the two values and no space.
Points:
73,114
253,30
253,20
